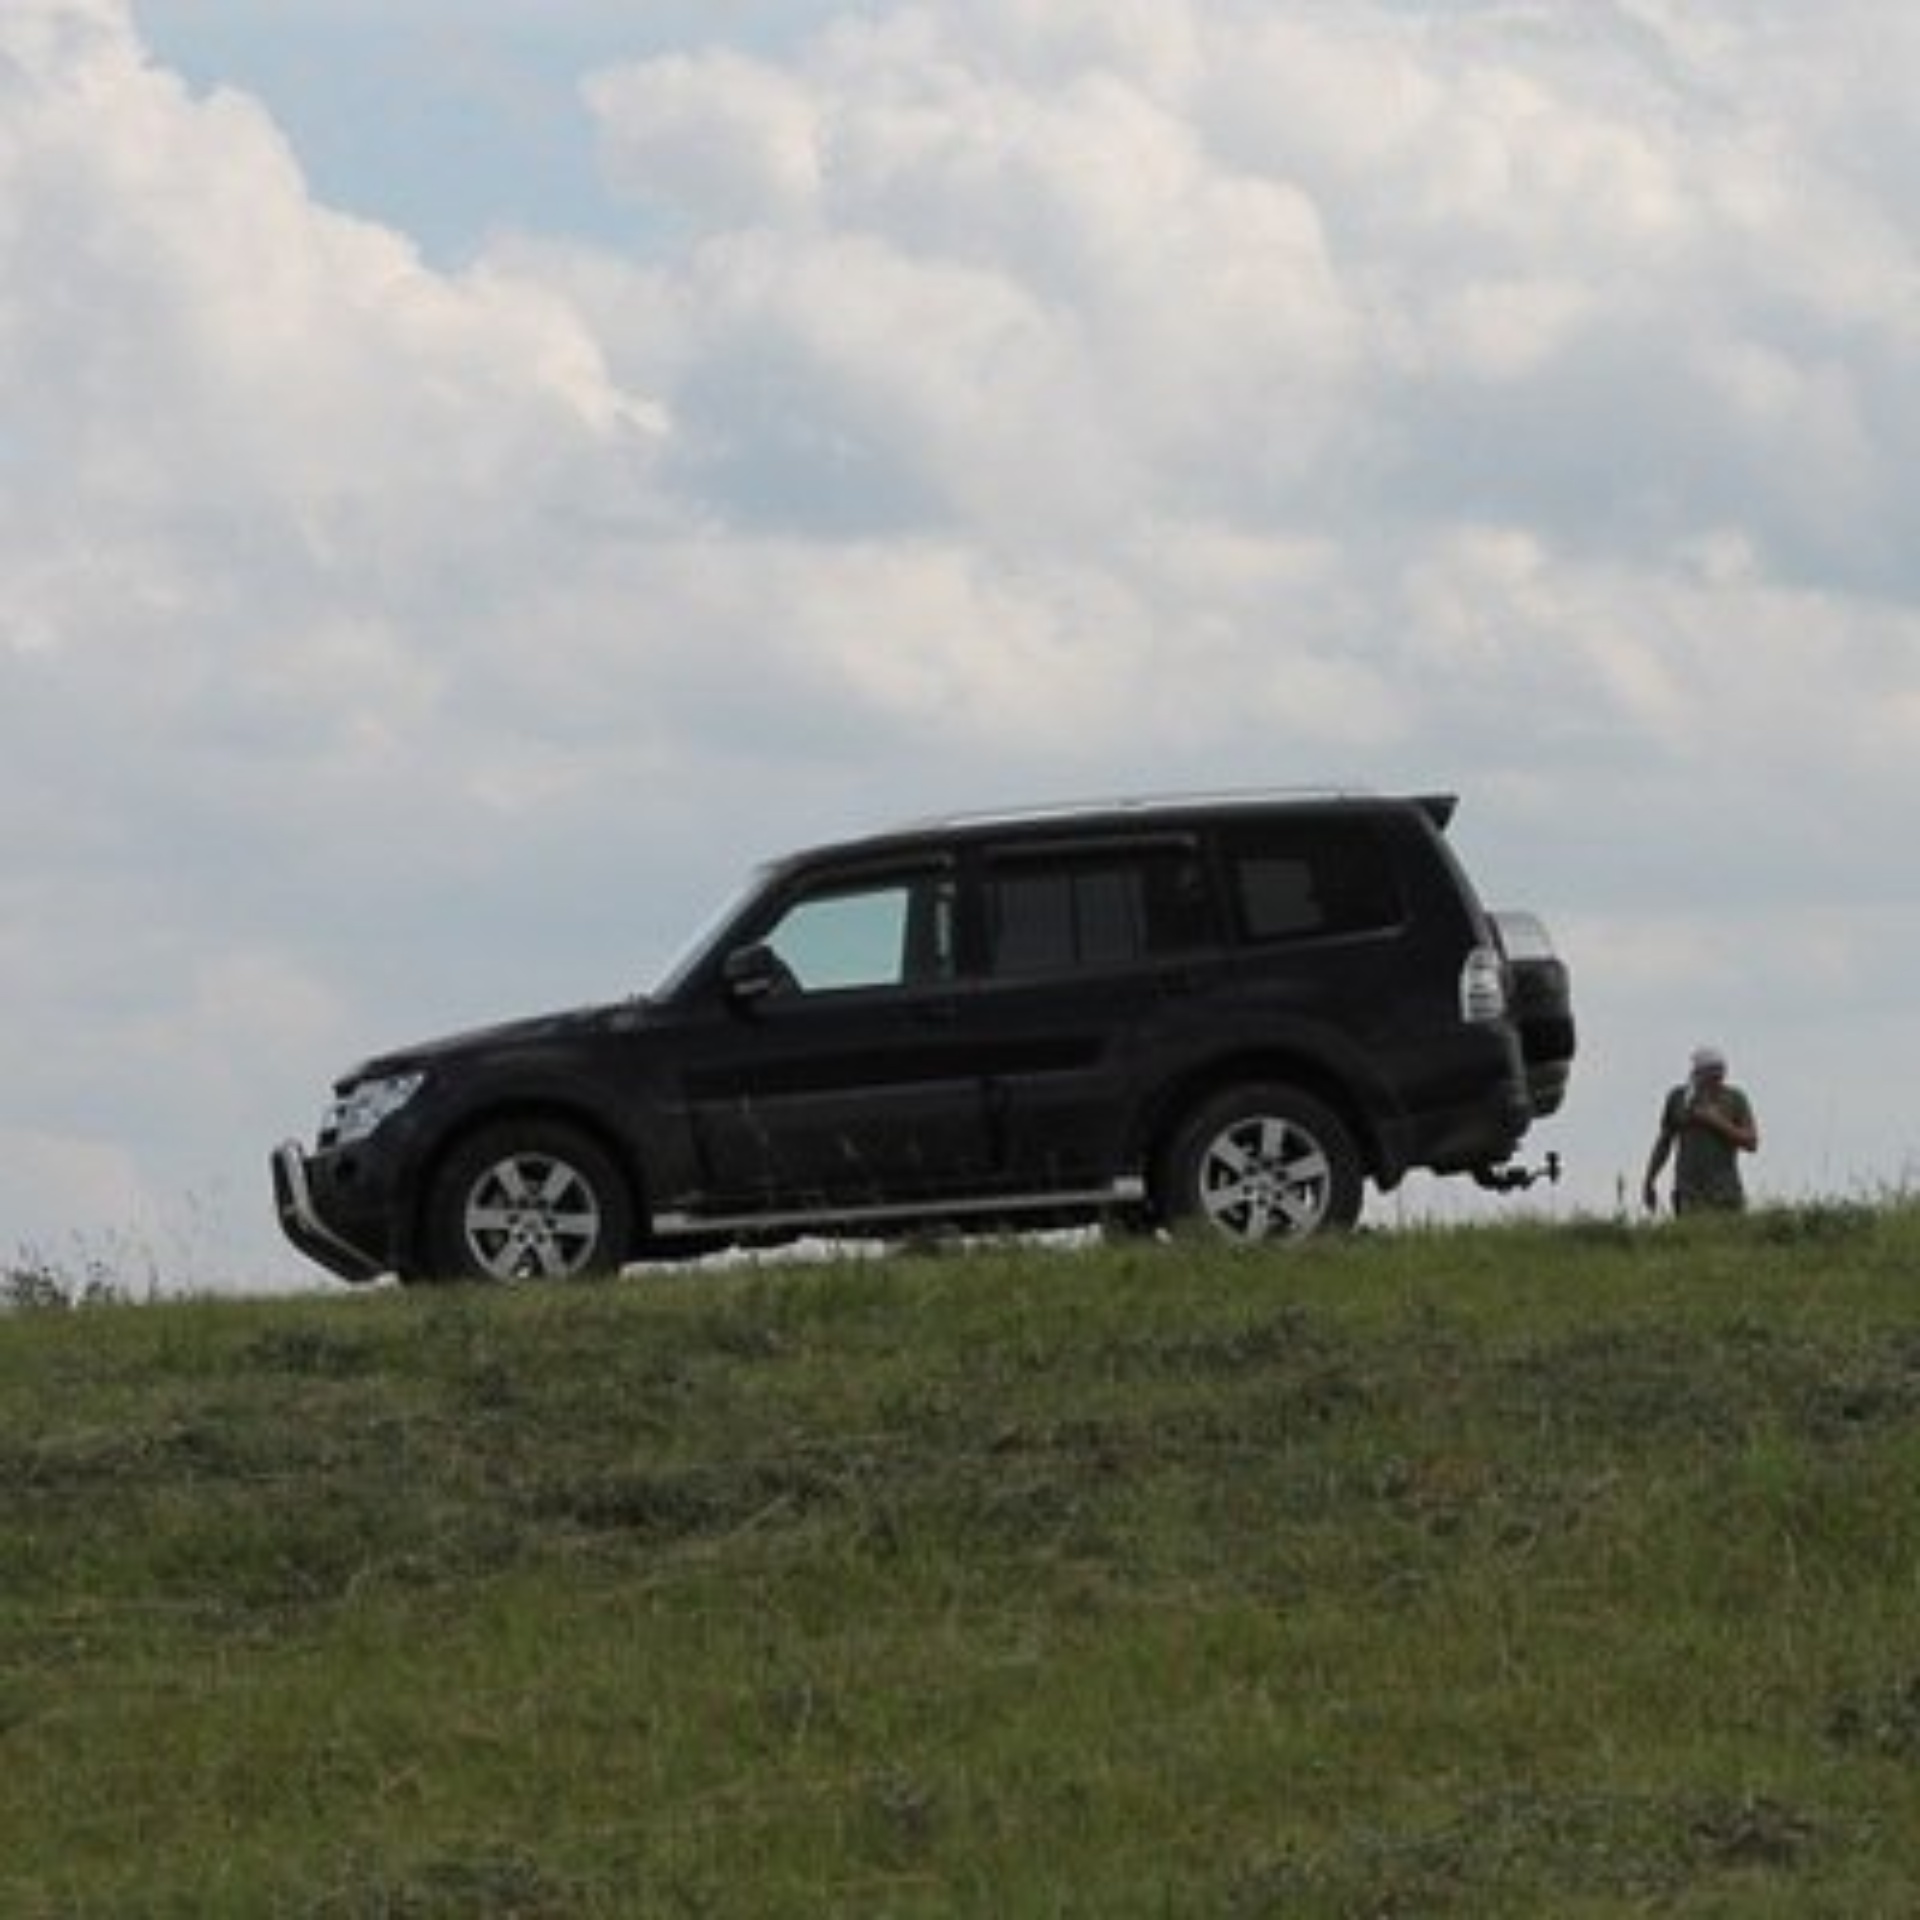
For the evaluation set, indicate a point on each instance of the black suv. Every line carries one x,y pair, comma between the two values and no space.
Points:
1227,1011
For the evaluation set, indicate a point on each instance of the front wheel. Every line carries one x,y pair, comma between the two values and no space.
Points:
528,1200
1262,1162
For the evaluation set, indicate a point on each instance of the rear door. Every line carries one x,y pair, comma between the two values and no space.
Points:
1094,956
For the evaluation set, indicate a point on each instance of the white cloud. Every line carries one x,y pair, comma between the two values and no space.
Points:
728,139
1016,399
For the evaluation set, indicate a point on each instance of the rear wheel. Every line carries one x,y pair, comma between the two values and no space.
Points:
528,1200
1262,1162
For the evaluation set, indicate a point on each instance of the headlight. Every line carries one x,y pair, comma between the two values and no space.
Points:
360,1109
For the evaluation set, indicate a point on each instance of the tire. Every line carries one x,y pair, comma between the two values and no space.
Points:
528,1200
1260,1163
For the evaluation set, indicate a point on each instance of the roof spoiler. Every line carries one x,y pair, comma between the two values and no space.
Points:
1438,807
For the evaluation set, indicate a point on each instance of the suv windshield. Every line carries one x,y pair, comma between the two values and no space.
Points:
694,948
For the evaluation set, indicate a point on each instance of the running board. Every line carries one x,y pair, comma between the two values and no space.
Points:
1127,1191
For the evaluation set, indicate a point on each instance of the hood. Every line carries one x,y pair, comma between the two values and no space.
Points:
505,1037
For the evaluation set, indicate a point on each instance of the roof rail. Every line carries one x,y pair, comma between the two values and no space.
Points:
1158,802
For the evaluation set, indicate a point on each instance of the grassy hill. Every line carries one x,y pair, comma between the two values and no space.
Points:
1538,1571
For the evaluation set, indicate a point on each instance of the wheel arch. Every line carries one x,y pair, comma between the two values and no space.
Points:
555,1109
1178,1097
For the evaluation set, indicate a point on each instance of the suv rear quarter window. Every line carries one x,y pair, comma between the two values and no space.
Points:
1304,879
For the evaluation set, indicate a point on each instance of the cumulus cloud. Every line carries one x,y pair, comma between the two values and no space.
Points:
1523,301
729,139
1007,400
254,461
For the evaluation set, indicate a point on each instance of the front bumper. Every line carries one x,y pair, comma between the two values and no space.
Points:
301,1222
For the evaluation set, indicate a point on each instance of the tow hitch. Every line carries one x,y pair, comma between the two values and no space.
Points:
1517,1179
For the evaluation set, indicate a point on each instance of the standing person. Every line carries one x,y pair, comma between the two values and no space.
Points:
1705,1126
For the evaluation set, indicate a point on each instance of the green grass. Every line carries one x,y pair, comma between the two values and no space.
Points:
1568,1571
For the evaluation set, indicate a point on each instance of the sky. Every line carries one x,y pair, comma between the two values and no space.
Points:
476,476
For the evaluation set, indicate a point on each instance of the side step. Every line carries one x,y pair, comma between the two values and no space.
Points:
1128,1191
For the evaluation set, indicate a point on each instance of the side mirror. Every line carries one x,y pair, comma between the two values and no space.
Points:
751,973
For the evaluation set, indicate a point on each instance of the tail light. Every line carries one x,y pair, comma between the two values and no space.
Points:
1483,986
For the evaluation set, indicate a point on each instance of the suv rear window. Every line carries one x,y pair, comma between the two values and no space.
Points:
1301,879
1059,911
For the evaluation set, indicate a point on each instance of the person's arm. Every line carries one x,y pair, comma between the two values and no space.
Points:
1657,1160
1733,1121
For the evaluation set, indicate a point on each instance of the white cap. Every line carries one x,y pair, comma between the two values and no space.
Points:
1709,1060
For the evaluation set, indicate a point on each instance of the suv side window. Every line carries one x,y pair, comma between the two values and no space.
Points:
1302,879
1059,911
881,933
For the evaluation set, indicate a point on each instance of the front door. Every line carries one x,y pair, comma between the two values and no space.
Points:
846,1083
